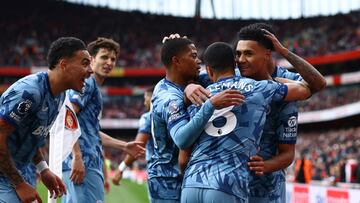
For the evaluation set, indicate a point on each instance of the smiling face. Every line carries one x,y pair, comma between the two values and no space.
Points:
78,69
189,63
253,59
103,62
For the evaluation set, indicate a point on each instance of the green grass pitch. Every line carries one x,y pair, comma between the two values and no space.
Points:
127,192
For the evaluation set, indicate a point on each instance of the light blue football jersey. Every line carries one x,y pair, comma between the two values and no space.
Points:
167,108
145,127
280,128
31,108
220,155
170,129
90,103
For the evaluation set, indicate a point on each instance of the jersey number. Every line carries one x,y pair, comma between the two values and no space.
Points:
221,123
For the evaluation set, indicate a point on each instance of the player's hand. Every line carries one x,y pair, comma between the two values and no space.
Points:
107,186
53,183
27,193
172,36
256,164
279,48
135,149
196,94
227,98
77,173
117,177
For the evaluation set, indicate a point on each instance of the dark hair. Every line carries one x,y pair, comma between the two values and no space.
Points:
173,47
101,42
219,56
63,47
150,89
253,32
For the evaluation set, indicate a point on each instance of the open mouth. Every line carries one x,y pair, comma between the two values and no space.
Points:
107,69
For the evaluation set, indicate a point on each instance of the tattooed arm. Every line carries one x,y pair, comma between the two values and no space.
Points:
24,190
7,165
312,77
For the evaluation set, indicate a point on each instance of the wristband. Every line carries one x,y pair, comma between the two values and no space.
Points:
41,166
122,166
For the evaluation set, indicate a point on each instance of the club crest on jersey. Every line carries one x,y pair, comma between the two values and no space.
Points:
174,111
24,106
70,119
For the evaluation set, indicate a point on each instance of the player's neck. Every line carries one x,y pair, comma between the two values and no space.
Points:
224,75
99,79
56,84
176,78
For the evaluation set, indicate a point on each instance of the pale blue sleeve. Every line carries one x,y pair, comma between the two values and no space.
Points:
185,133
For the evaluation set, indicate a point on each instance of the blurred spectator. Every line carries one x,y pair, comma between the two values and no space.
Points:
303,170
330,152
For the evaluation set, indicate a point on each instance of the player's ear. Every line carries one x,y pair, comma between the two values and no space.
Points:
268,54
62,63
210,72
175,60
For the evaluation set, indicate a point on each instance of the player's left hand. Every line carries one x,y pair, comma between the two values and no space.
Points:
279,48
117,177
135,148
256,164
171,37
53,183
196,94
107,186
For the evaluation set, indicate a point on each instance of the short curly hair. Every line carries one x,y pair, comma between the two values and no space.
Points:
63,47
254,32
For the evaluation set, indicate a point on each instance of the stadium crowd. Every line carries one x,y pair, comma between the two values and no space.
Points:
330,153
24,44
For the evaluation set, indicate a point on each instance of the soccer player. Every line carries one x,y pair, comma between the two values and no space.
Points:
27,111
83,169
217,170
277,146
171,128
143,135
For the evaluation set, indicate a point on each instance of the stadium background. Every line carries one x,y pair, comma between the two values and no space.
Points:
329,129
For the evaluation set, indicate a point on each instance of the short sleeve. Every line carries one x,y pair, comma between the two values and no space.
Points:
175,111
19,103
288,123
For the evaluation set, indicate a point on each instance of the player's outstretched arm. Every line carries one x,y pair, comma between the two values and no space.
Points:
134,148
185,133
313,78
129,160
24,190
297,91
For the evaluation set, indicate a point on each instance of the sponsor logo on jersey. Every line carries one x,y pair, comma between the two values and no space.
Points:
292,122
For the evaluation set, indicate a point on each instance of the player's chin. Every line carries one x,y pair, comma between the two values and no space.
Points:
78,87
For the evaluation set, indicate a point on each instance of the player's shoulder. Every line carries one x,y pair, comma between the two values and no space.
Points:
285,73
34,85
166,90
